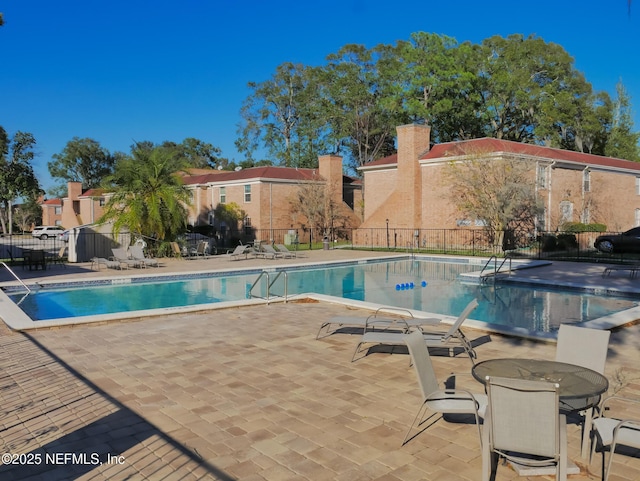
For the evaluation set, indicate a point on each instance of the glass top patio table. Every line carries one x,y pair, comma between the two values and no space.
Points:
576,382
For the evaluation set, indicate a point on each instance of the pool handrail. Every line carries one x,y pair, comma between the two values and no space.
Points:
16,276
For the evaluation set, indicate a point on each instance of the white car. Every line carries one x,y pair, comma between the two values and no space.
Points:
45,231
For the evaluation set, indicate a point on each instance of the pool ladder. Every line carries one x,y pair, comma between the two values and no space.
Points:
496,268
270,284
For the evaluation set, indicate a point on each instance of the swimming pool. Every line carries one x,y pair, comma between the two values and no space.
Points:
434,286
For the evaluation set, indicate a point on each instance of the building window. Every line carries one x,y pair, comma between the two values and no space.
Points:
223,195
586,216
637,185
247,193
542,221
637,218
102,202
586,180
246,223
566,211
58,210
542,176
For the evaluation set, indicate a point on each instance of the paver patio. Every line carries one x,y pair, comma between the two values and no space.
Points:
247,394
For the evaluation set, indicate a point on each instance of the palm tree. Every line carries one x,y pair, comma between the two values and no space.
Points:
149,197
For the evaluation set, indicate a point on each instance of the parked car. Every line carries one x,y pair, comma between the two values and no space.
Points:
64,235
628,241
45,231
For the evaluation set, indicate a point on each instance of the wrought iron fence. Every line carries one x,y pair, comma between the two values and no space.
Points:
473,242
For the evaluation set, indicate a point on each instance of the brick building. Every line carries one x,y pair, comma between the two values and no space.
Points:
266,194
410,189
263,193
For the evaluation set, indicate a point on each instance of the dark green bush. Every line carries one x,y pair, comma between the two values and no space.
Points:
548,242
567,241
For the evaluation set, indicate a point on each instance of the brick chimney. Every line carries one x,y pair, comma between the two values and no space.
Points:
413,142
330,168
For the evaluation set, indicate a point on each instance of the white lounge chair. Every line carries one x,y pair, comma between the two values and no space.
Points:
612,432
138,254
451,340
522,424
439,400
383,317
120,255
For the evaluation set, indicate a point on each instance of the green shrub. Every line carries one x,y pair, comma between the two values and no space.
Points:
577,227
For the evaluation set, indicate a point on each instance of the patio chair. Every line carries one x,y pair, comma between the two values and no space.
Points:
440,401
610,433
241,250
201,249
450,340
120,255
138,254
587,348
267,252
523,425
286,253
175,249
383,317
59,258
101,261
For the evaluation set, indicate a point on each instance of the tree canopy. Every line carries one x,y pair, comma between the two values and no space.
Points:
82,160
17,177
149,197
515,88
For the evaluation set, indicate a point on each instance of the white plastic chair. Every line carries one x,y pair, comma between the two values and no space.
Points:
523,425
612,432
443,401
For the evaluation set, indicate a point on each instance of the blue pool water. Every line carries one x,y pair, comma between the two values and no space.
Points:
430,286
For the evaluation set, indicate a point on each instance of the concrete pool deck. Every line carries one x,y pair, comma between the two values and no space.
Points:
249,394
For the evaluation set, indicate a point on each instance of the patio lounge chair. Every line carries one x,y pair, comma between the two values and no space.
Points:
241,250
267,252
632,268
610,433
286,253
138,254
383,317
451,340
120,255
201,250
522,424
101,261
587,348
439,400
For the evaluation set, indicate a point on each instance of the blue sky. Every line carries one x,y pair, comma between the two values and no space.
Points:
126,71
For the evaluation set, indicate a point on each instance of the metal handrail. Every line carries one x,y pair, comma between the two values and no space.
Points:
270,284
496,268
411,250
15,275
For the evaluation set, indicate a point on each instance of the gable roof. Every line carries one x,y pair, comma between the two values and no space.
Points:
497,145
488,144
263,172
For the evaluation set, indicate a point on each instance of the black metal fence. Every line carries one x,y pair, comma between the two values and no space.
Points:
471,242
